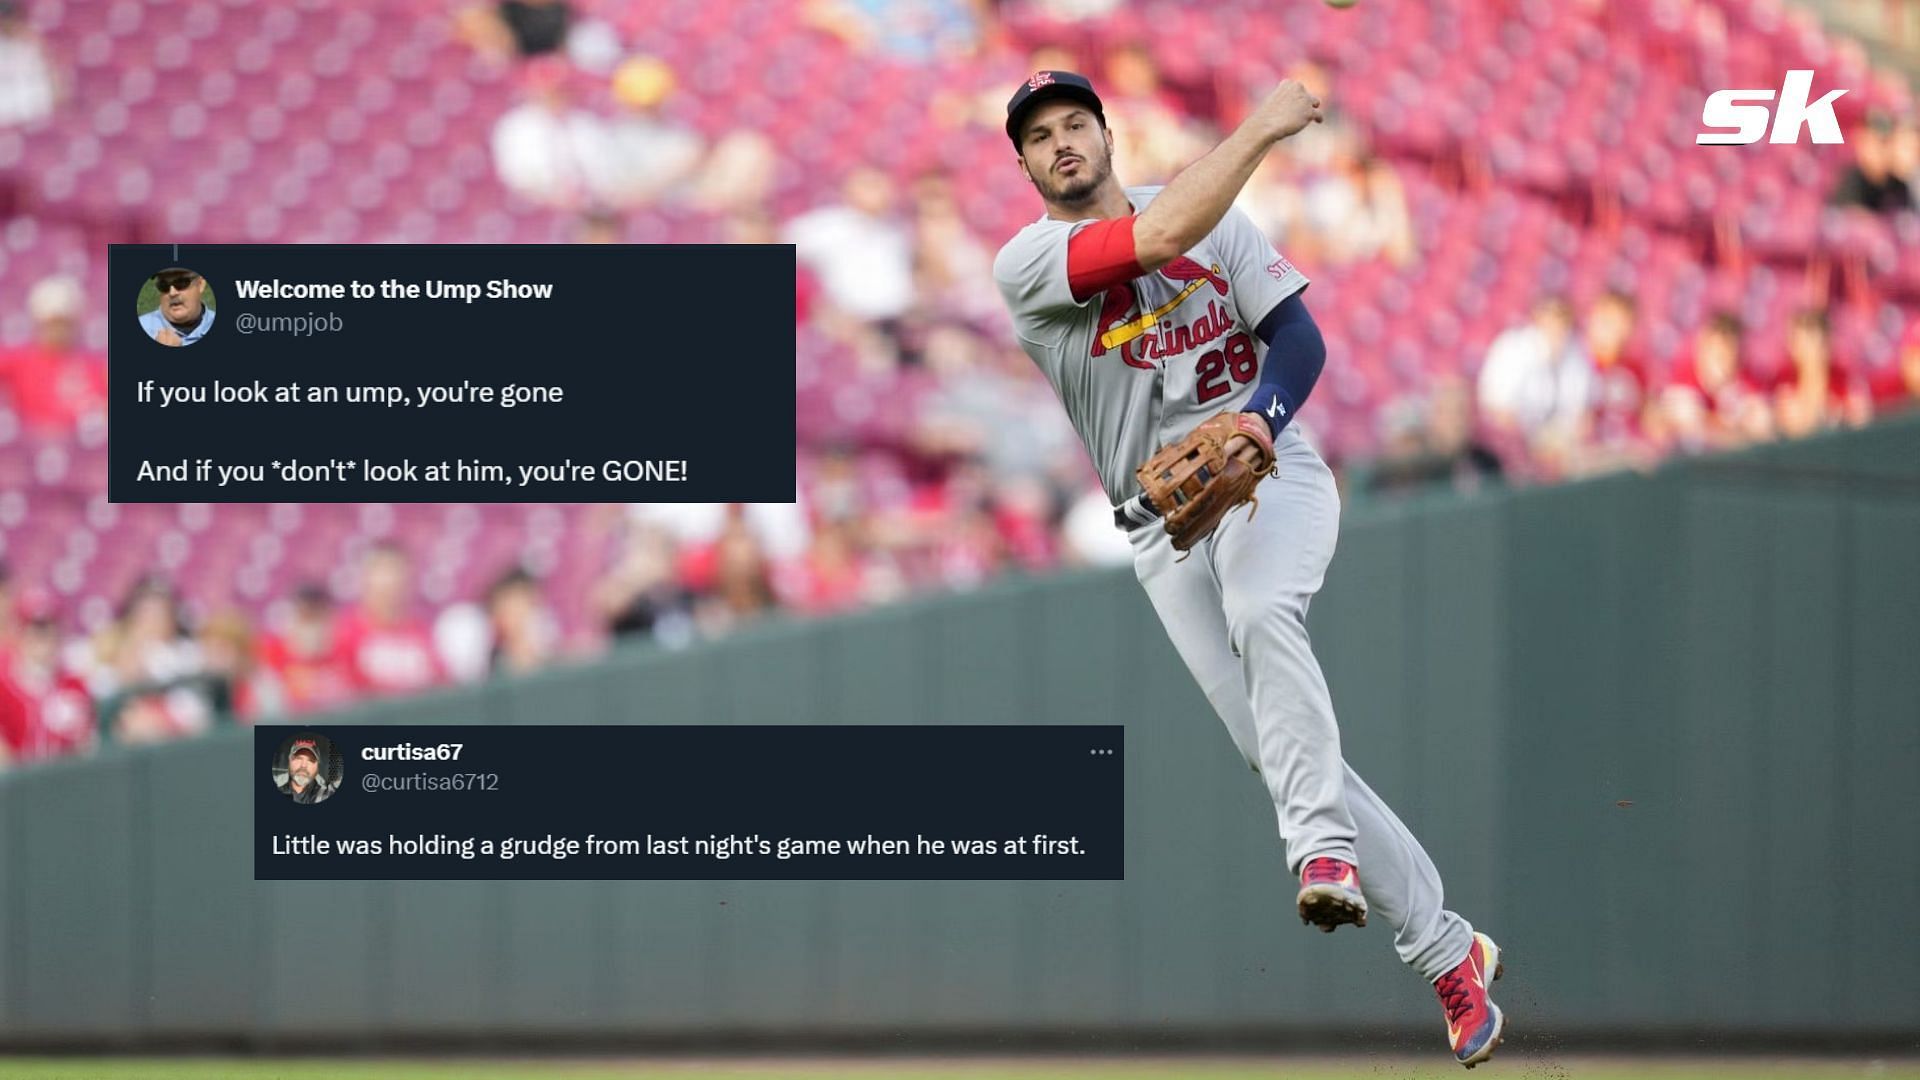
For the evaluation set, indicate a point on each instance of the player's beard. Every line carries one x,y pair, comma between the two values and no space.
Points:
1079,190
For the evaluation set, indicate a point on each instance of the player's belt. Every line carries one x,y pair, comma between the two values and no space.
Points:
1134,513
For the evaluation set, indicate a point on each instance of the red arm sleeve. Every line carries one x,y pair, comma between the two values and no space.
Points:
1101,256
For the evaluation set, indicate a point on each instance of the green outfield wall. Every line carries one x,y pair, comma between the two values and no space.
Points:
1661,733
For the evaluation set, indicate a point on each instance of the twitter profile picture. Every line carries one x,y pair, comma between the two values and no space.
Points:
176,306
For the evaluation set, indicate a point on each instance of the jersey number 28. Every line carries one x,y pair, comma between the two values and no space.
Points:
1234,359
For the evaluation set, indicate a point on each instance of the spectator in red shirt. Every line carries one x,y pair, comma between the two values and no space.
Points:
50,382
388,649
1615,428
45,710
1620,371
303,663
1816,391
1711,403
833,574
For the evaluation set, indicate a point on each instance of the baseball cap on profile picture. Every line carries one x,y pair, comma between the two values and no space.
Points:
1044,86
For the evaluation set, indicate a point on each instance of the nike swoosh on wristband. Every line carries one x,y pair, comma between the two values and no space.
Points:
1276,408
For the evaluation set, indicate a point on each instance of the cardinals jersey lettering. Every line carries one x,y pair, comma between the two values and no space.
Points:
1141,364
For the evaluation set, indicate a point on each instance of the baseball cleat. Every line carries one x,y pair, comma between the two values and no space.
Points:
1330,895
1475,1025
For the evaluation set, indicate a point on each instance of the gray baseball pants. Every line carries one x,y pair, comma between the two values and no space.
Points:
1236,609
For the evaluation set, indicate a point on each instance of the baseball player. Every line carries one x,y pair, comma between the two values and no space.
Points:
1176,337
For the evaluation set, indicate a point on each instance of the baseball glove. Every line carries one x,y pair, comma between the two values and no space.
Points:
1194,484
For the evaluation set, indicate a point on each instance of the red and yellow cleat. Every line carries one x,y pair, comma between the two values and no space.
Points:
1330,895
1475,1025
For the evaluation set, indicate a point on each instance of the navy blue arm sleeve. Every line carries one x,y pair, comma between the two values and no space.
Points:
1295,354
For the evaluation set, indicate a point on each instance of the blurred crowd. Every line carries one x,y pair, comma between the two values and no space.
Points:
932,455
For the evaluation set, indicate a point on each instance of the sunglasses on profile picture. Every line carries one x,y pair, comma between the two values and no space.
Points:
170,282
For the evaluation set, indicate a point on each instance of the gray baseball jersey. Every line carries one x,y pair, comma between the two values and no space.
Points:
1141,364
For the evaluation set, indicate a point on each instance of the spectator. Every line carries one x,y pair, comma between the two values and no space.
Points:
524,633
147,672
1905,390
1438,449
463,640
917,32
641,596
1537,381
1334,135
840,572
388,649
780,528
1815,391
9,625
637,157
1088,536
600,226
27,86
303,661
228,653
740,588
1072,11
1159,138
50,382
1388,220
539,145
835,493
1274,200
860,251
524,28
1903,152
1871,182
45,710
1358,211
1710,403
949,261
1022,510
737,176
1615,429
968,549
989,404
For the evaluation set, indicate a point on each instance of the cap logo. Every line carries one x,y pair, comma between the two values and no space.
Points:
1040,79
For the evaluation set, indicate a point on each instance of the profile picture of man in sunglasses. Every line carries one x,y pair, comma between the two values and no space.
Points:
181,316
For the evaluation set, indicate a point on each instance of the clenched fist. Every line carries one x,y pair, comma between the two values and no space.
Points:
1289,108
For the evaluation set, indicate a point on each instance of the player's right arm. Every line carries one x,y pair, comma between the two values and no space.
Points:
1189,207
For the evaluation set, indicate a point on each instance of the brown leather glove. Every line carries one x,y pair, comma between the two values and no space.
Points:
1193,483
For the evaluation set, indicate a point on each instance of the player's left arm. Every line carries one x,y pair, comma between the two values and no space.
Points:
1266,292
1296,353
